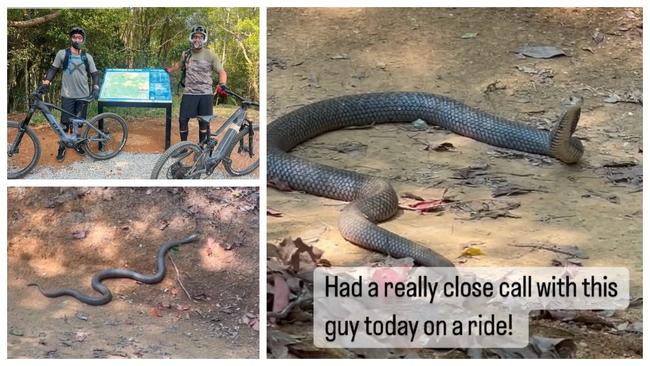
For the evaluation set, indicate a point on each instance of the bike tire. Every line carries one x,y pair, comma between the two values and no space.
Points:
242,137
168,156
121,125
35,143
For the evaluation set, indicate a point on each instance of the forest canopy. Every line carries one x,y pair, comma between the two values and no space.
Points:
129,38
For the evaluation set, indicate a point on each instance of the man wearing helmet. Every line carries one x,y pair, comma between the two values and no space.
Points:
76,65
197,64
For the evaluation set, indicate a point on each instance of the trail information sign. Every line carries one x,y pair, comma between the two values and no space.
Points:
136,85
139,88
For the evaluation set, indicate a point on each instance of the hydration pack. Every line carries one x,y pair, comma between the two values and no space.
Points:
66,60
186,57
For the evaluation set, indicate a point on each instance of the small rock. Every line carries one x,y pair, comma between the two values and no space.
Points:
342,56
81,234
16,332
420,124
80,336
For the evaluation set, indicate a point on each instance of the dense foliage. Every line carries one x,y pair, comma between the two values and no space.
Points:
129,38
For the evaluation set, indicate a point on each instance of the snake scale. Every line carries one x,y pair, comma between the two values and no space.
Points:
106,295
372,199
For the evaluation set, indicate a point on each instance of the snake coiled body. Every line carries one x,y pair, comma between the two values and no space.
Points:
372,199
106,295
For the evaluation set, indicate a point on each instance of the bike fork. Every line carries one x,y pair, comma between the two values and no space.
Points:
14,149
251,133
248,148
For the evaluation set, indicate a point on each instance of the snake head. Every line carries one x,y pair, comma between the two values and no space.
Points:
564,146
192,238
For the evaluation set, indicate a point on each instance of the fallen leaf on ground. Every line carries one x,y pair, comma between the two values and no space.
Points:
512,190
571,250
298,255
279,185
427,206
155,312
541,51
492,210
411,196
445,146
80,336
538,347
472,251
278,341
81,234
280,294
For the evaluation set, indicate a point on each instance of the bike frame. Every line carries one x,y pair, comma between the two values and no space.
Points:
235,121
69,140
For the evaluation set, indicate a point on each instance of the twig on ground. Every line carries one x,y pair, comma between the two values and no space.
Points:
178,278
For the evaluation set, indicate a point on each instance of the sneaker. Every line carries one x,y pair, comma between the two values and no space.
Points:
60,154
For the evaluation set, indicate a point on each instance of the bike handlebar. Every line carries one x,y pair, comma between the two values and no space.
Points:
241,99
233,94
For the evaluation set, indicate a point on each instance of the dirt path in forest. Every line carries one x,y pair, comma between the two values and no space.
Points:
60,237
468,54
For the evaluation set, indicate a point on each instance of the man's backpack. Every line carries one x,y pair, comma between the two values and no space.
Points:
66,60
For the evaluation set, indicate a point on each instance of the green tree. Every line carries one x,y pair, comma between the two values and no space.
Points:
128,38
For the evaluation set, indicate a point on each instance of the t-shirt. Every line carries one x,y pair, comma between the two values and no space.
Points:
74,83
198,72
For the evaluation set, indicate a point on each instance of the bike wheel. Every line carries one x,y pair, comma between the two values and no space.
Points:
243,154
181,161
108,146
27,153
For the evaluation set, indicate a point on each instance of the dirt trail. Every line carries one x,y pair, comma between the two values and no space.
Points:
124,227
315,54
146,135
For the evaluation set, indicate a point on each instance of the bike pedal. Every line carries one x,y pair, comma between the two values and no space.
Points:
60,154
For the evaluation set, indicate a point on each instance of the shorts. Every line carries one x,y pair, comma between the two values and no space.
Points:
195,105
74,106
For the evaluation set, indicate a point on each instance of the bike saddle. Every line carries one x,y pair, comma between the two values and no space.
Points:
205,118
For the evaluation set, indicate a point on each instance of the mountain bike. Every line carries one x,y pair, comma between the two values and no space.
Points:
237,150
102,137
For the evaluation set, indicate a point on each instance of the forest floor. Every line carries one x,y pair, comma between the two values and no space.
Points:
471,55
206,307
146,142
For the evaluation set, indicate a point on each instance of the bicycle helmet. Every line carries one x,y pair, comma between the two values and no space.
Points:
201,30
77,30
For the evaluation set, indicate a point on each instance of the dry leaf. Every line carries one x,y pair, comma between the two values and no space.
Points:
472,251
155,312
